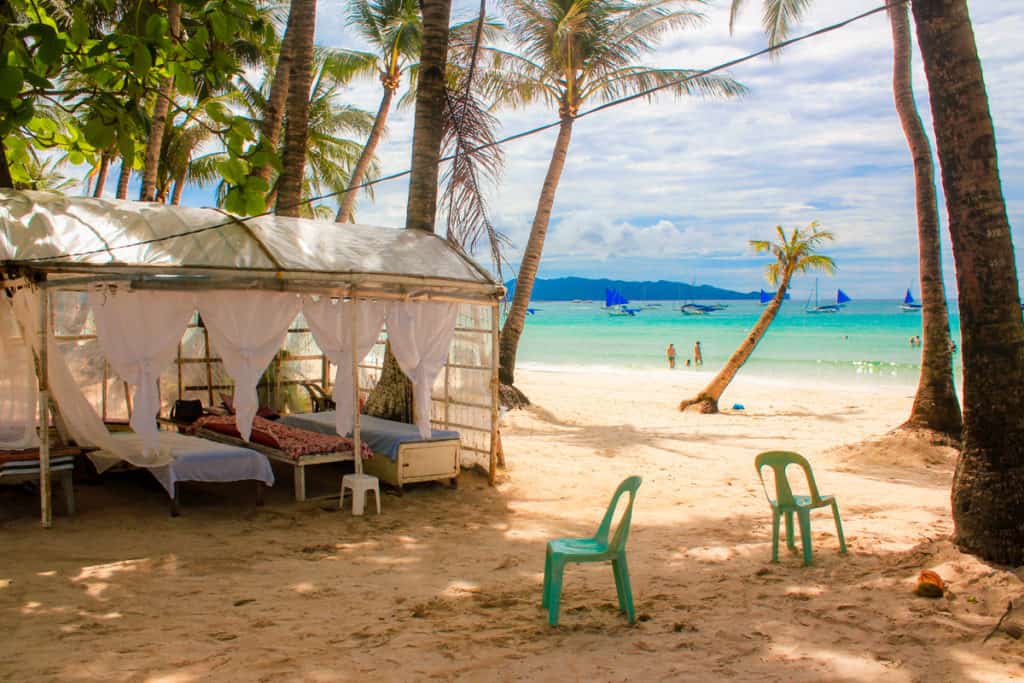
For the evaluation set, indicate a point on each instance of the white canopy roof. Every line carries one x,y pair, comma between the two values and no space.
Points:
53,233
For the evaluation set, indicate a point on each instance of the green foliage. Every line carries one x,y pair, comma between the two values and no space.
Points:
101,65
796,253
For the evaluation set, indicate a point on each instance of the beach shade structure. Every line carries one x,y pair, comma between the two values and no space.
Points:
144,270
785,502
598,548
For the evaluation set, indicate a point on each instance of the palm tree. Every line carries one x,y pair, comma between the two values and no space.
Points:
330,153
395,30
795,254
302,23
936,407
988,508
573,52
159,119
392,397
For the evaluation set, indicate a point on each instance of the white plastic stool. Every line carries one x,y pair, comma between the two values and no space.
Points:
360,484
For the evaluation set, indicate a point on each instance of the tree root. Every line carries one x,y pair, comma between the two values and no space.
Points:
702,404
930,436
510,397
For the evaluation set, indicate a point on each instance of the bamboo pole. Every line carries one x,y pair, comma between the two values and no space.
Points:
356,436
181,380
45,501
209,369
492,472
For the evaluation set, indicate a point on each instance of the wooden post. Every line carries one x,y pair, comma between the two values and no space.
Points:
447,366
209,370
357,446
45,502
181,386
493,468
106,388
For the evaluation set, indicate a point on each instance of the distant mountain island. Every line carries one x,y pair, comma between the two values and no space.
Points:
569,288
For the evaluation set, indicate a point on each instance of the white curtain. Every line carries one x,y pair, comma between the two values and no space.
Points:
247,328
84,425
331,322
19,395
420,333
139,334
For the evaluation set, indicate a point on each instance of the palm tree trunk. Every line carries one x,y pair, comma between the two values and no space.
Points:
5,170
160,109
273,115
707,400
513,328
391,398
301,21
936,406
421,210
101,175
123,178
988,486
348,200
179,187
394,387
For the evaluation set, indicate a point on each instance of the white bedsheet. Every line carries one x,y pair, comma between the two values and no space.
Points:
198,459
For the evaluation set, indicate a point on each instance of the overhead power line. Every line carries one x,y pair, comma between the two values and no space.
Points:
511,138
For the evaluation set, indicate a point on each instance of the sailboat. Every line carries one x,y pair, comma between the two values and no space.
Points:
841,298
768,296
616,304
909,305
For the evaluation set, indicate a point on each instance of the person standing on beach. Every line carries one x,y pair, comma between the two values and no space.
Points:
671,353
698,357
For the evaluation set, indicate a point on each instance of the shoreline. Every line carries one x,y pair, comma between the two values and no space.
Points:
690,376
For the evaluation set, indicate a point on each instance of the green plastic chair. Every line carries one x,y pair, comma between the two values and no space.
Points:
562,551
786,502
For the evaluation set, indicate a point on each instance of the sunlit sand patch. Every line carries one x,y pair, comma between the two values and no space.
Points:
176,677
52,572
715,553
458,589
804,592
535,534
390,561
866,668
106,571
304,587
31,607
5,583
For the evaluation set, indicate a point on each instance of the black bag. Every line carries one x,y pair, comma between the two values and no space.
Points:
187,411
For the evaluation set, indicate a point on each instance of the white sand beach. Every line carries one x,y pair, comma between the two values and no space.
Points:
446,584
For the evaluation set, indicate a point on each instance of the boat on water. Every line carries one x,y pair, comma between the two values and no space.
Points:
698,309
818,307
909,305
618,305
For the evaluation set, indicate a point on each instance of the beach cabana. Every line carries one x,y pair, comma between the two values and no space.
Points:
141,272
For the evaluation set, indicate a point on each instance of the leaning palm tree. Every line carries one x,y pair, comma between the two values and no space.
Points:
573,52
395,30
936,407
794,254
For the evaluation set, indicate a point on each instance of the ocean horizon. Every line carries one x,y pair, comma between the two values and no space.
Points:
866,343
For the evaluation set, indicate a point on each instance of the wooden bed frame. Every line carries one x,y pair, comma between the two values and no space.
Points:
417,461
299,464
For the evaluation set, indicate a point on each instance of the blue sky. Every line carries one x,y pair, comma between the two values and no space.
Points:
674,189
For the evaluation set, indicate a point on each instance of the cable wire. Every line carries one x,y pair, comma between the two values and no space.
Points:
511,138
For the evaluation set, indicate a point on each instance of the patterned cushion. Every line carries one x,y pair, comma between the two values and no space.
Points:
289,440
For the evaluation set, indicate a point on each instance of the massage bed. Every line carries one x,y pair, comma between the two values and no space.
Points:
291,445
402,455
19,466
197,459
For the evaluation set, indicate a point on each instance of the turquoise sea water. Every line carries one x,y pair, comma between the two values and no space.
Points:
866,343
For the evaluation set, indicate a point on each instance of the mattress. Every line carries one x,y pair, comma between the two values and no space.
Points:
382,436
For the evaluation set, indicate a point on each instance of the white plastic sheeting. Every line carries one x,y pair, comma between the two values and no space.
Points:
42,225
420,333
331,323
19,395
139,334
247,329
